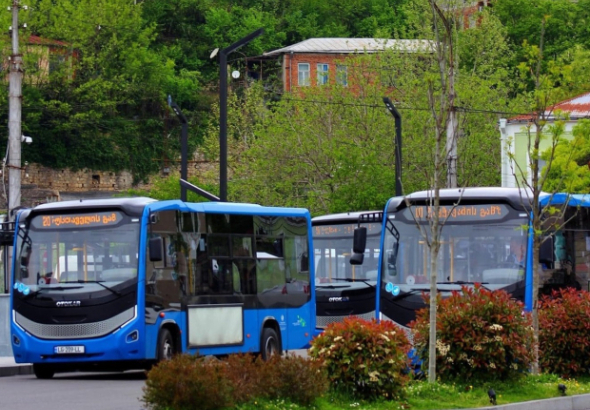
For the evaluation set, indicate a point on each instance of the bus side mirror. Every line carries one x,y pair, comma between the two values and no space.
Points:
359,240
358,246
155,247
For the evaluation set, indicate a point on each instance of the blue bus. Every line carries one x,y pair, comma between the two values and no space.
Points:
343,289
485,239
118,284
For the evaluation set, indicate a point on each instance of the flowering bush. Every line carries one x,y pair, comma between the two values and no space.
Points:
564,332
481,335
364,358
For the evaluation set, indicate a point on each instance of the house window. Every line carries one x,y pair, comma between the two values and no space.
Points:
56,62
322,74
341,75
303,72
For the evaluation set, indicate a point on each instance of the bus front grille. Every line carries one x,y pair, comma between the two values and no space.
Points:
323,321
74,331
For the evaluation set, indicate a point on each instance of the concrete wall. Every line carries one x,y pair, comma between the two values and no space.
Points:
5,347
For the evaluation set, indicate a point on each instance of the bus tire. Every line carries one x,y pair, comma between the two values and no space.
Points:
166,345
270,344
43,371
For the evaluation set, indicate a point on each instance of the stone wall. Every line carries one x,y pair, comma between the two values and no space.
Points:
41,184
81,180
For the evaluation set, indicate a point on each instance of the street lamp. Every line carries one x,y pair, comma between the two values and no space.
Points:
398,145
223,53
183,145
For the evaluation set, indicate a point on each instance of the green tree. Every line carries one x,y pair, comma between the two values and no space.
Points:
169,188
569,169
544,124
100,101
565,25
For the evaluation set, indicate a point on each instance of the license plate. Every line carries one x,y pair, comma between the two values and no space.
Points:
68,349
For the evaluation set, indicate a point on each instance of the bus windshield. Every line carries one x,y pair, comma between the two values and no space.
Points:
491,252
54,258
332,247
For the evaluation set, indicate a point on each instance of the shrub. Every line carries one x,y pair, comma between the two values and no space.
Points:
179,383
564,332
185,380
244,373
296,379
481,335
363,358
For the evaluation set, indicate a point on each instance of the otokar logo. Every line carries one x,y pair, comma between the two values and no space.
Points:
339,299
68,303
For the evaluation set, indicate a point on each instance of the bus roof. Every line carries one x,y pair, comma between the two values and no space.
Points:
131,206
135,206
227,208
516,197
582,200
345,217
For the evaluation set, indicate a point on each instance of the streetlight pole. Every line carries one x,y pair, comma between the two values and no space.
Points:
183,146
223,107
398,145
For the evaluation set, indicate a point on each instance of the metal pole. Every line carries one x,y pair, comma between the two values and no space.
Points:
223,109
223,126
183,146
183,159
398,145
14,118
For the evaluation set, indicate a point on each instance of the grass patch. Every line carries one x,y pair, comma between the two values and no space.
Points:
420,395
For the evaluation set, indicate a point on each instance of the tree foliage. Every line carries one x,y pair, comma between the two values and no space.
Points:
102,104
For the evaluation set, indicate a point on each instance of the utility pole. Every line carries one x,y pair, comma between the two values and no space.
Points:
14,117
451,145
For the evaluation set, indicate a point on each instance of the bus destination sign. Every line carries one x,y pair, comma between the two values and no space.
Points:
344,229
63,221
458,213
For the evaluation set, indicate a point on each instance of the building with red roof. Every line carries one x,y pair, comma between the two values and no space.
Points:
517,135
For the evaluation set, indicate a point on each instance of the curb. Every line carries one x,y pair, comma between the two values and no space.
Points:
16,370
576,402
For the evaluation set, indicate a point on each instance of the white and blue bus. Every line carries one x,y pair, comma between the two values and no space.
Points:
342,289
119,284
485,239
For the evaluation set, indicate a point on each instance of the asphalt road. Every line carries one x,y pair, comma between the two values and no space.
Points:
88,391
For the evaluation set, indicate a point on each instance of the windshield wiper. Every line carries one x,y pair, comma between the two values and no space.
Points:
98,282
35,293
354,280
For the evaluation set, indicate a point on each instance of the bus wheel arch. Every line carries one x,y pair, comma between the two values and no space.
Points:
270,340
168,342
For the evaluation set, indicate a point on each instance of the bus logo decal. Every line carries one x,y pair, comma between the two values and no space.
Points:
68,303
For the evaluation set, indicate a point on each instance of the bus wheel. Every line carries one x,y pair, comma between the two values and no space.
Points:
165,345
43,371
270,343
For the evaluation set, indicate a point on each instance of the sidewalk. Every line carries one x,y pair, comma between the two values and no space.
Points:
9,368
